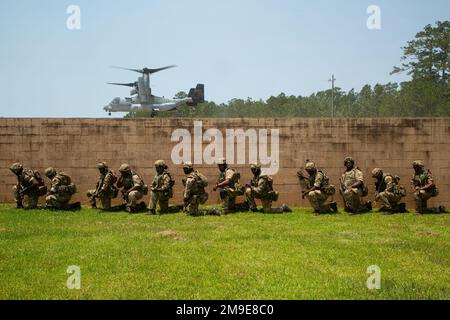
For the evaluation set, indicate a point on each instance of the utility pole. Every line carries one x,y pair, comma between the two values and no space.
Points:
333,79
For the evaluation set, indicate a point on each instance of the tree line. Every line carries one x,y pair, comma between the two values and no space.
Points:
426,59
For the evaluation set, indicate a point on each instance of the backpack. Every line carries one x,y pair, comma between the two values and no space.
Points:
67,185
144,187
326,187
269,181
38,177
172,181
201,180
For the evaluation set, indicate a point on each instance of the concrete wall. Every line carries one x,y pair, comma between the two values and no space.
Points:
76,145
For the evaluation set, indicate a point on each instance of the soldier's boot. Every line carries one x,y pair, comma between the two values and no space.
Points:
388,211
173,209
214,212
333,207
243,206
421,207
130,209
93,203
285,208
443,209
368,206
401,208
141,207
19,205
75,206
151,212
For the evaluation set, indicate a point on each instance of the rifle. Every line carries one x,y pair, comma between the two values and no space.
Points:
95,195
185,205
341,185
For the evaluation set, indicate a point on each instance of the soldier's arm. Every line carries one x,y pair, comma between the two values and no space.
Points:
260,186
228,176
120,182
107,182
316,186
389,184
359,179
188,189
166,183
55,185
430,183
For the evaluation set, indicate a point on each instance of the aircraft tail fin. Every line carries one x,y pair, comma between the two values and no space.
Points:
197,94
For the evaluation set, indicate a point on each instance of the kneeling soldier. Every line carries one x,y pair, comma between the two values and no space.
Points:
162,190
133,189
389,192
353,189
229,188
105,189
318,189
424,189
61,190
261,187
194,191
30,186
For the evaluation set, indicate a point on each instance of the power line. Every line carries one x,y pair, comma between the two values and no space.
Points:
332,80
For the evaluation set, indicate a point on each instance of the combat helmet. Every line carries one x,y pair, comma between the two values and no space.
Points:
255,166
377,172
349,159
124,168
160,164
310,165
188,165
222,161
50,172
16,167
418,163
102,165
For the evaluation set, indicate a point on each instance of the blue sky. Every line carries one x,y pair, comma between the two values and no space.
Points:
239,49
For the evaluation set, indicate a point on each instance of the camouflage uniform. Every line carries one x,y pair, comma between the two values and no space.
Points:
230,192
352,196
162,190
129,180
61,189
261,187
388,191
194,191
420,179
323,190
105,189
29,187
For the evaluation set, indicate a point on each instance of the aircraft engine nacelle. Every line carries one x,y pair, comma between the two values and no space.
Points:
168,106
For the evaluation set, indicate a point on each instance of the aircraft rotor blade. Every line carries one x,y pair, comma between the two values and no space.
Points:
150,71
135,70
145,70
122,84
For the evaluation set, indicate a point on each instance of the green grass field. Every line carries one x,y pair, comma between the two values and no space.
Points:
240,256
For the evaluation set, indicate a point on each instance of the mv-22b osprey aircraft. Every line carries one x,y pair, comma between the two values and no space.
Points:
142,98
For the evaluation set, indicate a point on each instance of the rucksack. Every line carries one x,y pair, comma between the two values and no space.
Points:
144,187
326,187
269,180
201,180
172,181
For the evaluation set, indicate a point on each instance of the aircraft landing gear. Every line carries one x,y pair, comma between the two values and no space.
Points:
153,114
109,114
